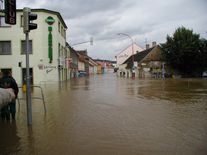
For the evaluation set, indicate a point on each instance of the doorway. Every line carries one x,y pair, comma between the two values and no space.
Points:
6,69
24,75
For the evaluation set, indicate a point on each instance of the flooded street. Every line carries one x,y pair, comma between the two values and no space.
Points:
107,115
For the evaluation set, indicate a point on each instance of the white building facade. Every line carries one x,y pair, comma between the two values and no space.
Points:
126,53
48,52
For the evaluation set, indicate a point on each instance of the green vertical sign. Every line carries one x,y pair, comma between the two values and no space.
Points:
50,20
50,53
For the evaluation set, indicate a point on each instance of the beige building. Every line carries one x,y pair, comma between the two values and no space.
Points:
49,57
150,63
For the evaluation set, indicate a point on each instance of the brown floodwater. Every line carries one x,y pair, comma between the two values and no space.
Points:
108,115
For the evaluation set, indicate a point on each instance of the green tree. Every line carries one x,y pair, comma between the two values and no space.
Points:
185,52
203,55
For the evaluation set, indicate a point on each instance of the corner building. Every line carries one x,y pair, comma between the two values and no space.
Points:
48,53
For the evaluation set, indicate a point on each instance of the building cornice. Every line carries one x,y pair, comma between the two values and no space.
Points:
47,11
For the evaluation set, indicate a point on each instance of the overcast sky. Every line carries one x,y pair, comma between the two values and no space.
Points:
144,20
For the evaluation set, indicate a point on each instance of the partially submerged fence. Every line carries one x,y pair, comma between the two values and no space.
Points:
33,97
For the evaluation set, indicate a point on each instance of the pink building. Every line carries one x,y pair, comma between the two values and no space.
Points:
126,53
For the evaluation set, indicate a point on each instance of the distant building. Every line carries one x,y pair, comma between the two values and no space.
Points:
123,56
126,53
93,66
73,62
150,63
105,66
83,63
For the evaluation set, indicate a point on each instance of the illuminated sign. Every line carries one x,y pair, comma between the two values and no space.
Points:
10,12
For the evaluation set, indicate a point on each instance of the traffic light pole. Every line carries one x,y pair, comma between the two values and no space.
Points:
27,27
28,92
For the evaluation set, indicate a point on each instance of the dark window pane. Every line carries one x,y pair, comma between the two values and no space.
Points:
5,47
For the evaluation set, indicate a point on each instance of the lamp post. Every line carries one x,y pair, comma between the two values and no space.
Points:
132,70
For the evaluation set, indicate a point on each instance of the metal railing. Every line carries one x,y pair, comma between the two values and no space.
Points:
40,98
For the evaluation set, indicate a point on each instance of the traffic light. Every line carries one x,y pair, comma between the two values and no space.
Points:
28,18
10,12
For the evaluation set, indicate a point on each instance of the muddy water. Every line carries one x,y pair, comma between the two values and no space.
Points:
106,115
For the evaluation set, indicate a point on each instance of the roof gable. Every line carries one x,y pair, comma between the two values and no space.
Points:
154,55
141,55
151,54
126,53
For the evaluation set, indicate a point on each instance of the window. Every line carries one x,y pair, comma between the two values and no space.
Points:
62,30
22,21
23,47
2,22
5,47
64,33
59,26
58,49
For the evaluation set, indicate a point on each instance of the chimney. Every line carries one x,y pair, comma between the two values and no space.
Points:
154,43
147,46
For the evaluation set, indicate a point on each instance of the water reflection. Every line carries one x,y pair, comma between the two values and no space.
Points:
174,90
9,140
81,83
109,115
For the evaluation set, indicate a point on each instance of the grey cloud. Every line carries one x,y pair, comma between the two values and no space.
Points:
103,19
78,8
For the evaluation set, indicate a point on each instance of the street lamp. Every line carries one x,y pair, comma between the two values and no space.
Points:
133,74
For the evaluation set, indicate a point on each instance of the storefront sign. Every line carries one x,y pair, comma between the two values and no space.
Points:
10,12
50,67
50,20
50,53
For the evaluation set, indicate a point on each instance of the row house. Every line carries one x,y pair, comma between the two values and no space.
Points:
83,63
101,66
86,65
105,66
80,63
49,56
149,63
74,59
93,66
